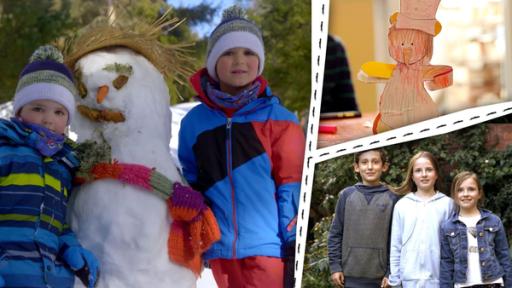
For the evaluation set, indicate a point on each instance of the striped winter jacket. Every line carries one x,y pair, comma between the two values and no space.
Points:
34,191
249,168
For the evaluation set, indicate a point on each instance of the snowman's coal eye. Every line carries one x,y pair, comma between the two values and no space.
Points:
120,81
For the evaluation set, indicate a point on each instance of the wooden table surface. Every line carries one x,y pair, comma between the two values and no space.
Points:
347,129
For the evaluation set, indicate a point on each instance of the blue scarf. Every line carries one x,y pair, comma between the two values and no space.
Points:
229,101
44,140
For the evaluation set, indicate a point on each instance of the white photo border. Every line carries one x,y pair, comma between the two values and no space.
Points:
319,28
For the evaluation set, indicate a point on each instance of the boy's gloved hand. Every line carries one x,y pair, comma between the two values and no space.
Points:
84,263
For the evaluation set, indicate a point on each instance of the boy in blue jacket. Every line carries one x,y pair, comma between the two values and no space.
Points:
37,247
244,151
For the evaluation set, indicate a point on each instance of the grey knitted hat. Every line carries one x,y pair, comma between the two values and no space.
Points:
234,31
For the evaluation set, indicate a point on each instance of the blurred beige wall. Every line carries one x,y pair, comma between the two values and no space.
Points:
352,21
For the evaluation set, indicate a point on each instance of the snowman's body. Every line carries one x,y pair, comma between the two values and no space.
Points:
124,226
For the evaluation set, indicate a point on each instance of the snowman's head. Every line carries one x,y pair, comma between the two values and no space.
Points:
120,70
118,86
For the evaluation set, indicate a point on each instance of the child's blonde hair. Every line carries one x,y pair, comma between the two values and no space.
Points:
408,184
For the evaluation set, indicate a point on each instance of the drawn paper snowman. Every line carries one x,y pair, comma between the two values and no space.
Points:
410,43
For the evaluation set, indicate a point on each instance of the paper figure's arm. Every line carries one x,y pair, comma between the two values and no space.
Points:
437,76
375,72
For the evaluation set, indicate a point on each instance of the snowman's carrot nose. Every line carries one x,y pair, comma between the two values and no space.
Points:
101,94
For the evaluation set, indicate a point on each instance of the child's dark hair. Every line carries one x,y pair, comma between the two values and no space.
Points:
383,155
408,184
463,176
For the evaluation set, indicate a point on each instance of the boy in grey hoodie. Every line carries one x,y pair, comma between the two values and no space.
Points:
358,243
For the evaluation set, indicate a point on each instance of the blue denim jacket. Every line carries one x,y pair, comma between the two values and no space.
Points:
492,248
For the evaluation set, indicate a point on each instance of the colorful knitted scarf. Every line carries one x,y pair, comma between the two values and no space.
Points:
194,228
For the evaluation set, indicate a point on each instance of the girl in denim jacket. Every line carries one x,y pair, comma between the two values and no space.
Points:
474,246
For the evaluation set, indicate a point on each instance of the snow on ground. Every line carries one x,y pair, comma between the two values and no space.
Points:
6,110
178,112
206,280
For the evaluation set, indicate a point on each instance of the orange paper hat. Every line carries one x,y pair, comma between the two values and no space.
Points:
419,15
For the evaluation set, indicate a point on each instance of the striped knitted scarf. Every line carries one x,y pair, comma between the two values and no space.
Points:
194,228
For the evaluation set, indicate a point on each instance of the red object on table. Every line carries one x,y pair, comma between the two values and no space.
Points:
329,129
347,129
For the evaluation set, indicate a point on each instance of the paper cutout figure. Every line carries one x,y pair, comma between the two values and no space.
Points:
410,42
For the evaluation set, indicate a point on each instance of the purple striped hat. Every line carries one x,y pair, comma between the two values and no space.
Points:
46,78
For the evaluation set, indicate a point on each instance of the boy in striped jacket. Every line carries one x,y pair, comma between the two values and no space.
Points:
37,247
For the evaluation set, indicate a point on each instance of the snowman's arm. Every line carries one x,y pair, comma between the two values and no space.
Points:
375,72
438,76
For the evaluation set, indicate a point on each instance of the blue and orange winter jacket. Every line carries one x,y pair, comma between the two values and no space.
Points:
249,168
34,191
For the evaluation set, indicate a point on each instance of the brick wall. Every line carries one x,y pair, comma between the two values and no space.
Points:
499,136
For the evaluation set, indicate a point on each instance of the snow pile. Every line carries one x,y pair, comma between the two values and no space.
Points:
6,110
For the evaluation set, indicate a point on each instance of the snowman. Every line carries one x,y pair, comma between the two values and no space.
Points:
124,110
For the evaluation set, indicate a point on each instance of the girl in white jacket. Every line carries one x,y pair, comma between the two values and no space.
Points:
415,248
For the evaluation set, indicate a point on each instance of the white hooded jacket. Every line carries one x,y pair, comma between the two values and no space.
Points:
415,248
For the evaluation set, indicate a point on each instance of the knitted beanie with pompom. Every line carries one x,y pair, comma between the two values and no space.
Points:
234,31
46,78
